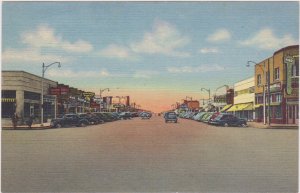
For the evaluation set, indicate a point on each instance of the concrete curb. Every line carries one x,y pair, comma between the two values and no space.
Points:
25,128
262,126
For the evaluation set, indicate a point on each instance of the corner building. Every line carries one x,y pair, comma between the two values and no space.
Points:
283,70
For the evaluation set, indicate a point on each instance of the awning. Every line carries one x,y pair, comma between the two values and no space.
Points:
249,107
274,104
8,100
258,105
241,107
226,107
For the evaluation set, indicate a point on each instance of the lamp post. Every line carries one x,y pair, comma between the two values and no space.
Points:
207,90
45,67
264,92
101,91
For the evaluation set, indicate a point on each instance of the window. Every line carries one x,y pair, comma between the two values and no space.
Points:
276,74
294,70
278,98
258,79
32,95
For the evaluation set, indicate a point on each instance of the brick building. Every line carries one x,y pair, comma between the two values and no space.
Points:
282,69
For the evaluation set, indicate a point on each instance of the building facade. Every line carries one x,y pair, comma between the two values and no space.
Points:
244,99
277,78
21,93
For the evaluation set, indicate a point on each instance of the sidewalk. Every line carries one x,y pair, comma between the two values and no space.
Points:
272,126
25,127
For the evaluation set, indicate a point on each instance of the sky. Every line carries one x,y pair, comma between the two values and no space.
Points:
158,53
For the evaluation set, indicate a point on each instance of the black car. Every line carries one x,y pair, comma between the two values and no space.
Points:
93,119
170,116
69,120
105,117
228,120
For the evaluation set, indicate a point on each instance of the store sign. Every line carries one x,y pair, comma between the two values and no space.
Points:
274,87
55,91
88,95
289,61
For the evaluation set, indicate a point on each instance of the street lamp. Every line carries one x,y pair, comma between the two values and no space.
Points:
101,91
264,92
227,87
207,90
45,67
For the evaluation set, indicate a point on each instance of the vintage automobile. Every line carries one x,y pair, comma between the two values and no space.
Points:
69,120
228,120
170,117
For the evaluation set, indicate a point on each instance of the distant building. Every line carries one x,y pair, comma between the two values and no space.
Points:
192,104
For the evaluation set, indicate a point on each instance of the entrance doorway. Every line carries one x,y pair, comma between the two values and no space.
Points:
293,114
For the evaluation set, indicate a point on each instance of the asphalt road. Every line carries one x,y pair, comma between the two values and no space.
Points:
150,156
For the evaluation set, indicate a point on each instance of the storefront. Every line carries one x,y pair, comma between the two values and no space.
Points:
243,111
21,94
8,103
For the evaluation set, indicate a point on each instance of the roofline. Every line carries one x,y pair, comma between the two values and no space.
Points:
286,48
27,73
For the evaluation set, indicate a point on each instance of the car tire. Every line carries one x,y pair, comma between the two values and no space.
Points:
58,125
243,125
226,125
82,124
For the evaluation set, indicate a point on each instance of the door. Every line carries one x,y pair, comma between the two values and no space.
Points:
293,116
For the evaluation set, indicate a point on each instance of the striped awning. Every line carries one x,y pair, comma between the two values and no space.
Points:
8,100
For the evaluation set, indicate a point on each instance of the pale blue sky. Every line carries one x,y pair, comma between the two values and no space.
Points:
179,46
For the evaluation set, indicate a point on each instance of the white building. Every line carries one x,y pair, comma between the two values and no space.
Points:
244,98
21,93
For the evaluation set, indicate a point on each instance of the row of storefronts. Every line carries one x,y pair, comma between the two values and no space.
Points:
21,93
272,94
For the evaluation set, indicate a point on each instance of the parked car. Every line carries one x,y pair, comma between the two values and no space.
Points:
134,114
228,120
69,120
213,117
170,116
93,119
205,115
198,116
207,118
125,115
103,116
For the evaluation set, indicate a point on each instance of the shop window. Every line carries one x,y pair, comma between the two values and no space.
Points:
7,109
32,95
276,74
8,94
278,111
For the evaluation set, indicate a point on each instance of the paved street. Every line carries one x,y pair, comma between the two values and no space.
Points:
150,155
